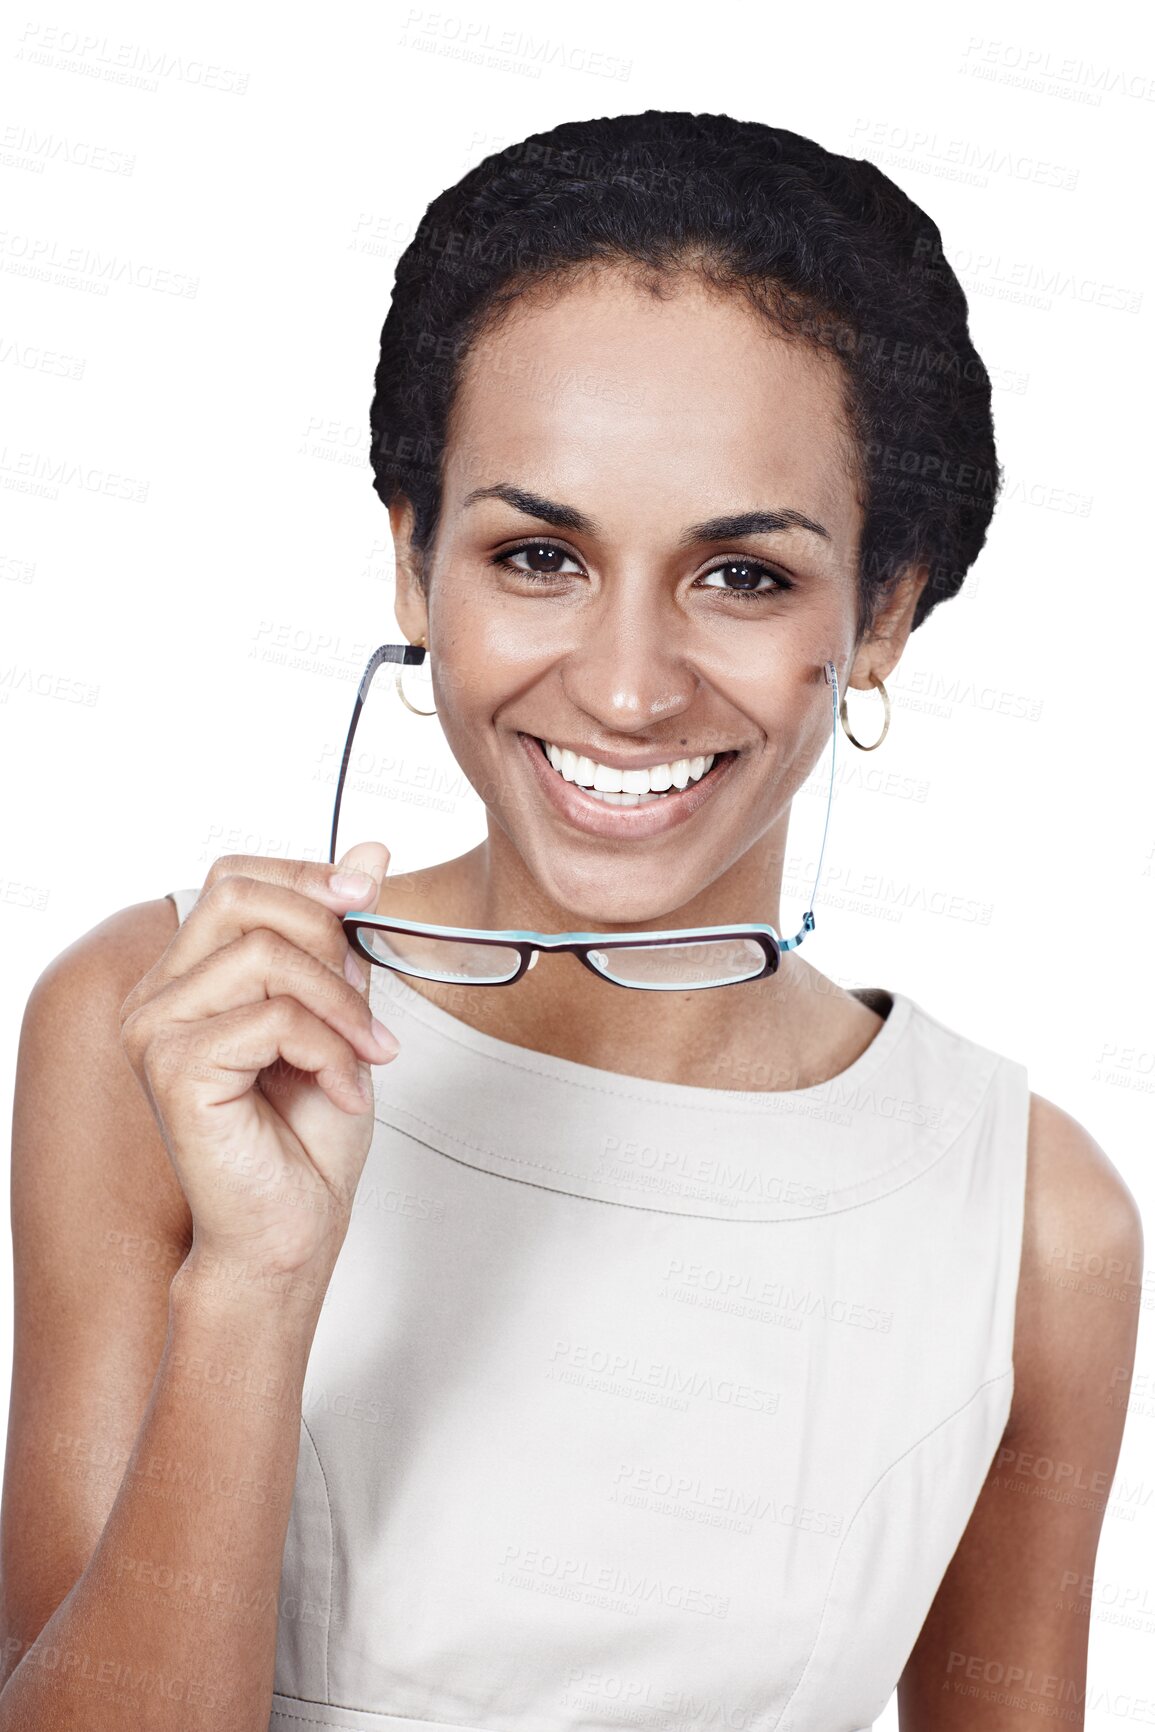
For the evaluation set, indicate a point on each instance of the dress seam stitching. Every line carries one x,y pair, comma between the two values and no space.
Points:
377,1713
329,1513
781,1724
614,1202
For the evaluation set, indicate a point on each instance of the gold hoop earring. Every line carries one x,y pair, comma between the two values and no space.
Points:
875,681
401,691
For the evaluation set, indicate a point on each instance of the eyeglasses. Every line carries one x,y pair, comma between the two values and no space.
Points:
683,960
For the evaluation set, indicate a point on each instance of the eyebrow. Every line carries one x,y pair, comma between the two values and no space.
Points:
765,522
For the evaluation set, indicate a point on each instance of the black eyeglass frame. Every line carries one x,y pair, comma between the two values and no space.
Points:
580,944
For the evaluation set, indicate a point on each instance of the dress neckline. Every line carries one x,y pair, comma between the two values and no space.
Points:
546,1124
390,991
660,1148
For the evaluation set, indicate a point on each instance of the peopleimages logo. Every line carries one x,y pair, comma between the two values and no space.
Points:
603,1368
532,1566
960,158
1023,277
805,1302
128,63
1025,67
725,1178
470,38
687,1496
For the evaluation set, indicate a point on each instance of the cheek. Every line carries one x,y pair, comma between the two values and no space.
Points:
470,691
468,631
489,665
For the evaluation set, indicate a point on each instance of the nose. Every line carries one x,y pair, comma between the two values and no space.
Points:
629,667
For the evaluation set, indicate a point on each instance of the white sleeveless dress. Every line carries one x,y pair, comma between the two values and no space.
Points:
636,1404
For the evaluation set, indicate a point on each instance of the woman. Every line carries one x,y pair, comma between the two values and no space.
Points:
628,1360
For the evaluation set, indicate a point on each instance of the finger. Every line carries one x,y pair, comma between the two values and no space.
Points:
371,858
261,964
235,904
353,883
202,1066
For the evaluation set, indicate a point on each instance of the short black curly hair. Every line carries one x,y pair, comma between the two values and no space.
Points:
826,247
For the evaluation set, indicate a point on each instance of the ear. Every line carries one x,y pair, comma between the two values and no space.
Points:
409,602
880,649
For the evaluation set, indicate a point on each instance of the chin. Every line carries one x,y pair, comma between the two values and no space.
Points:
600,907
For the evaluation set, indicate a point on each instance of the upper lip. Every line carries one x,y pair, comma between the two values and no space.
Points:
615,760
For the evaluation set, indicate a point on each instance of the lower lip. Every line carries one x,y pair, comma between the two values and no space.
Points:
634,822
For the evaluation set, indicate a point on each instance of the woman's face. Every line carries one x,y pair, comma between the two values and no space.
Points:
613,614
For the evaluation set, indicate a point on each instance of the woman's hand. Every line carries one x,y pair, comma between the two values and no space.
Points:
253,1047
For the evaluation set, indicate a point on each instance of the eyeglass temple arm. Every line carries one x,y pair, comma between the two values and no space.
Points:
831,675
410,654
413,655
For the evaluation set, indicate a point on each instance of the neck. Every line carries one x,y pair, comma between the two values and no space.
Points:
788,1030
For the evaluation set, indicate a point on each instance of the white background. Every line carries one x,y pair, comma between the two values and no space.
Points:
177,667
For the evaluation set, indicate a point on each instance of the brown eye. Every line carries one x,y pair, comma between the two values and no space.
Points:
755,580
545,560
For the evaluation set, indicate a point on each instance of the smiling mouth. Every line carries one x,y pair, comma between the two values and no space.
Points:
630,799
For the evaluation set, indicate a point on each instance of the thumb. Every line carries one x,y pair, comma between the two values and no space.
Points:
371,857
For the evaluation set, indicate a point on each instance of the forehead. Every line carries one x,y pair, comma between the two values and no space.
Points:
692,396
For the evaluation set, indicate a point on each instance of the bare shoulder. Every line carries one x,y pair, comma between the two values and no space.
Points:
71,1032
1069,1173
73,1013
80,1114
1015,1599
138,933
118,950
1080,1281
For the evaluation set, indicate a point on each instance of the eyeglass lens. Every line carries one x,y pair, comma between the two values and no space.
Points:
667,967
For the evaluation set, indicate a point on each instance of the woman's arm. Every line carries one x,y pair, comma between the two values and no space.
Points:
155,1416
1005,1641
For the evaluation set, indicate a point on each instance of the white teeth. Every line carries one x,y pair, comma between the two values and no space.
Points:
622,799
601,779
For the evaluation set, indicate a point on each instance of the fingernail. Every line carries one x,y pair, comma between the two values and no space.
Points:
352,884
388,1042
354,973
